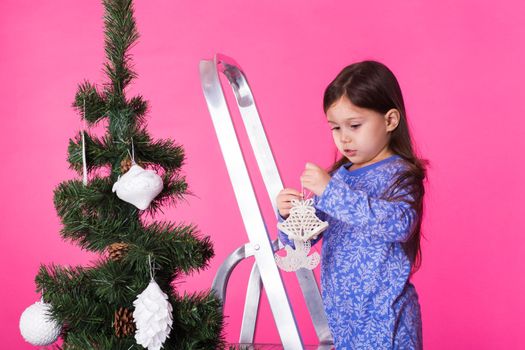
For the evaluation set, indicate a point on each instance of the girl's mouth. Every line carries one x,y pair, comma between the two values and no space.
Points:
350,152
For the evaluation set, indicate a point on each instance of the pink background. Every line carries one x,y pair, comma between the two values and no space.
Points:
459,64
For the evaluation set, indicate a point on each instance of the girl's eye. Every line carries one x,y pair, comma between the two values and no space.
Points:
335,128
355,126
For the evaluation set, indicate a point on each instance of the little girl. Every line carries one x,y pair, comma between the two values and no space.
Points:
372,198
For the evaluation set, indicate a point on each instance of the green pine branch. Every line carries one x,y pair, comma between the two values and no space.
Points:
174,247
82,300
120,35
174,190
90,103
99,152
107,152
197,311
93,216
70,292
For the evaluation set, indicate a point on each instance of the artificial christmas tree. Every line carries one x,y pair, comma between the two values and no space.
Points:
95,305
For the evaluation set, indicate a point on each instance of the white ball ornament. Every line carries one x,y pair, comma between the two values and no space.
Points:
138,186
37,327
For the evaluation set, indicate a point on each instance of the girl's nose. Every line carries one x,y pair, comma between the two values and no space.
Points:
345,138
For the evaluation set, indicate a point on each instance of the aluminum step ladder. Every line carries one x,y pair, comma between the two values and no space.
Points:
265,271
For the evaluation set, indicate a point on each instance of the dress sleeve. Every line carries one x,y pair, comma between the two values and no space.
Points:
390,221
283,237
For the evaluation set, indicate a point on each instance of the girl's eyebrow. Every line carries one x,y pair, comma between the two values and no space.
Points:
349,118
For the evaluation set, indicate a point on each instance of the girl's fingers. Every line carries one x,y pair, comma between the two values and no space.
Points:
289,194
291,191
285,198
287,202
292,196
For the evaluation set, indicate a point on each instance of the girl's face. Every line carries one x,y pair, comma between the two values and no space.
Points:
361,134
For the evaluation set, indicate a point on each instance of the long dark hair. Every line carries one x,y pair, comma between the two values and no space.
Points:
370,84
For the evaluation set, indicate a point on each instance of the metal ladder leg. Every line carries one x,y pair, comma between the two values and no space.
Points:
251,306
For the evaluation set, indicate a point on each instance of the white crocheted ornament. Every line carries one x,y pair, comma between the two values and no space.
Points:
298,258
37,327
302,223
153,317
138,186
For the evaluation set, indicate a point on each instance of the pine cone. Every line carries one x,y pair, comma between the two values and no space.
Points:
123,324
117,250
126,163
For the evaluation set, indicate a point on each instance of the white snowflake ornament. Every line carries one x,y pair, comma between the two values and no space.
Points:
153,317
37,327
138,186
298,258
302,223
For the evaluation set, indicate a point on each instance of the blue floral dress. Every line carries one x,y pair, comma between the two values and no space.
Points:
367,296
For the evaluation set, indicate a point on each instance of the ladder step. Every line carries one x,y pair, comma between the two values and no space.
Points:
261,346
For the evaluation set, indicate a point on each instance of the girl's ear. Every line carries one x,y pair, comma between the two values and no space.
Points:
392,118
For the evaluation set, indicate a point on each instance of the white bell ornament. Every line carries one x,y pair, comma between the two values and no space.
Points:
138,186
302,223
36,325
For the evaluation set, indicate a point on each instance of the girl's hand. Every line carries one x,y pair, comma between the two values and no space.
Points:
315,178
284,200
